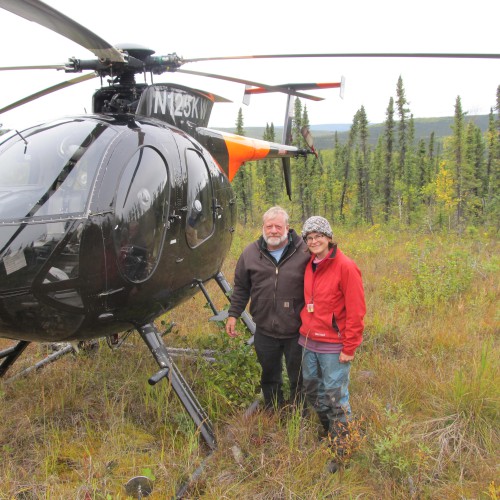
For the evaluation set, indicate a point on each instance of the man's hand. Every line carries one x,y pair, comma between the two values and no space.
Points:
345,358
231,327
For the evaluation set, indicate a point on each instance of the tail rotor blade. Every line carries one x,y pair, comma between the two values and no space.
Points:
288,177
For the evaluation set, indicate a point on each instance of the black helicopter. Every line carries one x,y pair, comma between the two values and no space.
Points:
110,219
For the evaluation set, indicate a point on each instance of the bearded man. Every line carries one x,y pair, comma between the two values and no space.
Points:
270,273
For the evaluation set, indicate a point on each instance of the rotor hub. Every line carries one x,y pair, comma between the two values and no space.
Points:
135,50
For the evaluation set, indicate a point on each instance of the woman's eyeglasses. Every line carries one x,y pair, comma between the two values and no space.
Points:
315,237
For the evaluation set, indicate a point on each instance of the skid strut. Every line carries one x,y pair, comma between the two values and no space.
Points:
169,369
222,315
9,356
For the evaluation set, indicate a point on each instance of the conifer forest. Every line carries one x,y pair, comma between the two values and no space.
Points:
439,183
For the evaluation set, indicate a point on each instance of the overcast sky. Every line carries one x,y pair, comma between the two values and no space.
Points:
227,27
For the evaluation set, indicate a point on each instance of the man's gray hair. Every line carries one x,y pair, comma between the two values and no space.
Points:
273,212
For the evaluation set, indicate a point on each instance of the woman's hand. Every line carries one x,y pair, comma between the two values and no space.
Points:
345,358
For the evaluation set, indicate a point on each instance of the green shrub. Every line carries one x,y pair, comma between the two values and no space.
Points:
235,375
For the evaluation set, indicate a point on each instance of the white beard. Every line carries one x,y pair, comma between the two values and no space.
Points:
275,241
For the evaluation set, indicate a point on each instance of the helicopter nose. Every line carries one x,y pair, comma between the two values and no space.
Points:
38,281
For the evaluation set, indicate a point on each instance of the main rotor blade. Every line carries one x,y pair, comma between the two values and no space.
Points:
46,66
269,88
49,90
439,55
45,15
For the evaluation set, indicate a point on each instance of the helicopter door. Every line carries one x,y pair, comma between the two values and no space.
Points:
141,212
200,213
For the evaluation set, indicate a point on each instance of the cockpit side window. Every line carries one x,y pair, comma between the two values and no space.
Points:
200,211
48,171
141,209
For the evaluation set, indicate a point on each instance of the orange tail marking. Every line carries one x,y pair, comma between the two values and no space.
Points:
242,149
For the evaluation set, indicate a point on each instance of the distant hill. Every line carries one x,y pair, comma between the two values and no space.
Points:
331,127
324,134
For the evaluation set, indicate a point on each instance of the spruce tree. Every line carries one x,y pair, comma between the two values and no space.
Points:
403,111
242,182
333,179
348,159
411,194
492,139
271,173
376,176
313,187
493,165
364,198
300,165
389,176
475,173
458,156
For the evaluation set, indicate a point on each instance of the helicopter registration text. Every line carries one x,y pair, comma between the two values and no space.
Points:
180,104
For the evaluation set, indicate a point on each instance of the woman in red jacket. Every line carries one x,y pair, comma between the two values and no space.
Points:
332,325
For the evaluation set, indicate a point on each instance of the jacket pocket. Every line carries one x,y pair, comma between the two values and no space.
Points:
287,315
335,326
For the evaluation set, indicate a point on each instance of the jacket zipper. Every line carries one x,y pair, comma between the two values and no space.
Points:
334,321
280,263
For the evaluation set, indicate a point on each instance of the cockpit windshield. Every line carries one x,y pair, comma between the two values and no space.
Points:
48,170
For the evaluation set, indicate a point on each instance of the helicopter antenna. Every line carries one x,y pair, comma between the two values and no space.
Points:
20,135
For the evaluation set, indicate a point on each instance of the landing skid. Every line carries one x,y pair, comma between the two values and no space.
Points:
19,348
10,355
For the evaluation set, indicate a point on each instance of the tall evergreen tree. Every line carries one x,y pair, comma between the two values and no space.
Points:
271,173
475,174
422,165
376,176
433,161
458,155
333,179
403,111
242,182
314,190
300,165
388,177
364,198
410,176
348,159
493,164
492,140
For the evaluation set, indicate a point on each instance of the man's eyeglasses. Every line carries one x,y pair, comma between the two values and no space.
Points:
315,237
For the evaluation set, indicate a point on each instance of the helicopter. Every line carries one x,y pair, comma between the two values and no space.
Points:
111,219
108,220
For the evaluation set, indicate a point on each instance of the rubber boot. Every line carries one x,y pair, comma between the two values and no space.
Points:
325,425
338,435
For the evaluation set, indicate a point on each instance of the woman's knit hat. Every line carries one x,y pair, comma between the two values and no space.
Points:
317,224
